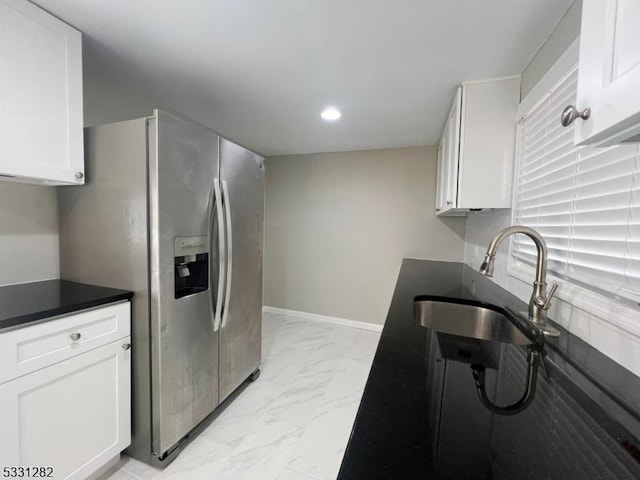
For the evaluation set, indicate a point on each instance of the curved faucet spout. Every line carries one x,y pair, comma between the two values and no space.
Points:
541,246
539,302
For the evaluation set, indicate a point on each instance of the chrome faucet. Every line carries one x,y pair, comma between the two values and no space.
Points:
540,300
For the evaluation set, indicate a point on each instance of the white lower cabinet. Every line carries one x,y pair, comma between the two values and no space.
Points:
68,419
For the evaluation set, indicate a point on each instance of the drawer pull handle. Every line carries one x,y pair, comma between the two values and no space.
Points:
126,346
75,336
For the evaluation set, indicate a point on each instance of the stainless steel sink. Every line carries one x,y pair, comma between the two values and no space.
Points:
481,322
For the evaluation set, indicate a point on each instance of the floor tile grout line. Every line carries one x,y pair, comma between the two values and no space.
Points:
137,477
284,420
288,467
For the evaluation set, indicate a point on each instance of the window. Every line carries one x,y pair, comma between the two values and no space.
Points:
585,201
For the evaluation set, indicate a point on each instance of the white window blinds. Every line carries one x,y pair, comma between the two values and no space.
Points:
585,201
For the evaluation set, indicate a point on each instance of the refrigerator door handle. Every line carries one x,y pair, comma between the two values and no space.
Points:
212,218
229,257
221,254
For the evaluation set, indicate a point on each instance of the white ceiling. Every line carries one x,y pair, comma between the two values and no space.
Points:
260,71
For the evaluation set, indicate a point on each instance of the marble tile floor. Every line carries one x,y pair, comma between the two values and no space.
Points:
293,423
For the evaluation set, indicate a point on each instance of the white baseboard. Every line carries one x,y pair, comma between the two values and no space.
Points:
323,318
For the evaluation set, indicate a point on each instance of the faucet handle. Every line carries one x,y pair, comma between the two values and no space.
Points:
550,295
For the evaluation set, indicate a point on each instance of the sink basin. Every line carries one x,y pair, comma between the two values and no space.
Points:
474,321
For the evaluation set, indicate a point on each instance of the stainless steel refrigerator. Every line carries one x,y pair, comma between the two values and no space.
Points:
173,212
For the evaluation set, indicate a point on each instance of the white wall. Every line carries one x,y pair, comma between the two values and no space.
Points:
337,226
567,30
106,100
28,233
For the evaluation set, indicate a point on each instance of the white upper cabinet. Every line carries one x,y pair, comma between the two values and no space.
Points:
609,73
41,137
476,151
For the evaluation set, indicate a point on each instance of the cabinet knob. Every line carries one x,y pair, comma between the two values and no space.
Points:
449,202
570,113
79,175
75,336
126,346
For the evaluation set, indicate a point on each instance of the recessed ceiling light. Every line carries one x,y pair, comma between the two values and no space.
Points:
331,113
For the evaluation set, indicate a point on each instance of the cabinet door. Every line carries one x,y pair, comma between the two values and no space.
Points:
450,143
73,416
440,179
41,138
609,72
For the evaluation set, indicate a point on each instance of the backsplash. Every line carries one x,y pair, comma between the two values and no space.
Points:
613,330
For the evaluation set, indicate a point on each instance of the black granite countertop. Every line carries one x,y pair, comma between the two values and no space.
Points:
420,416
30,302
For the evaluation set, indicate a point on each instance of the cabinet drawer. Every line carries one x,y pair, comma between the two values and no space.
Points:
33,347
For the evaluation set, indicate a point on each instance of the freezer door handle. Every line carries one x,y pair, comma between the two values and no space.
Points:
229,257
221,254
212,218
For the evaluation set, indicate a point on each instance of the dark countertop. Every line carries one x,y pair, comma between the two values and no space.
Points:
30,302
420,416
